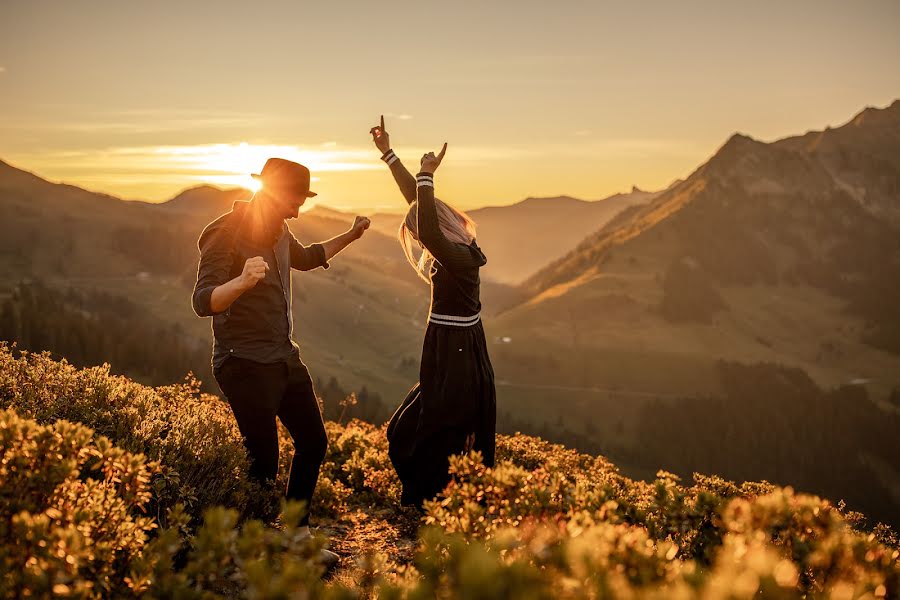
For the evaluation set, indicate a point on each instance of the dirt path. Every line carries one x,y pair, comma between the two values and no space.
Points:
362,533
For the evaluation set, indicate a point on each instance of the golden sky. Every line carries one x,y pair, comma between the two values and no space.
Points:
143,99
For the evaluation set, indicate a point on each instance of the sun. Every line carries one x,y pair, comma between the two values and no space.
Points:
254,185
230,165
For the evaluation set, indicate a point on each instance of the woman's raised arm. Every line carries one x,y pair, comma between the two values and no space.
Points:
451,255
405,181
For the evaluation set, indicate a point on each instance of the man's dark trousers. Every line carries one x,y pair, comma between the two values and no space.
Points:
257,393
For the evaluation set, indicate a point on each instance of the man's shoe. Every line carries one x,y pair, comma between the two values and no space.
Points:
329,559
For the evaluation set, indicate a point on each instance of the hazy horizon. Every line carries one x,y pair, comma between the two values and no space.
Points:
586,101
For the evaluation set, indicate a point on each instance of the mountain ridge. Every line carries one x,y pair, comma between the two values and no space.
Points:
735,159
760,255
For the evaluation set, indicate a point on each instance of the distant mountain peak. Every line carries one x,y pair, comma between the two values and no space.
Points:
872,115
538,199
731,153
740,140
206,198
205,187
201,191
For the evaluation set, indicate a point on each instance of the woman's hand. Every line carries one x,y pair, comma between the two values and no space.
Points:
430,162
380,137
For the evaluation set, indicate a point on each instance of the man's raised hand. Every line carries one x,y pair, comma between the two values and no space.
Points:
380,137
430,162
360,224
254,270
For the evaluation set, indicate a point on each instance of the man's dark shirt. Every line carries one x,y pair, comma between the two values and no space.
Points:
258,325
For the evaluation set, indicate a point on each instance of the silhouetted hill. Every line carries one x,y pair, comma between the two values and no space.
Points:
206,200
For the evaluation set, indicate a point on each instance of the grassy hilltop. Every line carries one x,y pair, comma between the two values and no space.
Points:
114,489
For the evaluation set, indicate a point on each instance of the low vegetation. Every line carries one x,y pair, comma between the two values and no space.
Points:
113,489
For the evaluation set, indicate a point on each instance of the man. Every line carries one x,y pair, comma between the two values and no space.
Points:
244,284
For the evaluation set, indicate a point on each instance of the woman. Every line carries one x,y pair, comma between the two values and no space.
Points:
453,407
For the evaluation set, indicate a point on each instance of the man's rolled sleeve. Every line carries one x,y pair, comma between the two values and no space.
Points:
214,270
307,258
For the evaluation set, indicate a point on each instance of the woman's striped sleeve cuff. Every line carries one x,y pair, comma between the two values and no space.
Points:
389,157
426,179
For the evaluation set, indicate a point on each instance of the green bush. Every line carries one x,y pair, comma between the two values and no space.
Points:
224,560
70,507
83,518
73,523
192,436
356,462
547,533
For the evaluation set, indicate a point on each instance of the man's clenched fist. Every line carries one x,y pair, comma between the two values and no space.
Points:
360,224
254,269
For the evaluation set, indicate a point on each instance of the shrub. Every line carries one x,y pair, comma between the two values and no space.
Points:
222,560
550,532
357,461
69,510
544,522
193,437
72,524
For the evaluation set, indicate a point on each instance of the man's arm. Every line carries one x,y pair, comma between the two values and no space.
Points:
309,257
224,295
214,292
405,181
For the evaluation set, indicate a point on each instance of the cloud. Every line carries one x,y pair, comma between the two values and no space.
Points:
223,164
2,69
241,158
398,116
160,170
142,170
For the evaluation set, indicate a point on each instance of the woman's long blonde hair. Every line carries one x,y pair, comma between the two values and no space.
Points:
455,225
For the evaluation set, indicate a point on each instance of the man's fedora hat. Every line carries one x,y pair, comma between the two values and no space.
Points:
279,173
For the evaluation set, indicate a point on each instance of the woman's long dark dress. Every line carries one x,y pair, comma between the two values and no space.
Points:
455,397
